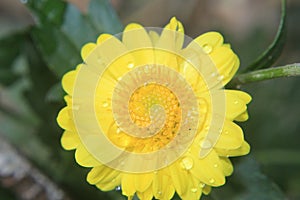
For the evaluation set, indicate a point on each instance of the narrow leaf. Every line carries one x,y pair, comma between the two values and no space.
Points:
271,54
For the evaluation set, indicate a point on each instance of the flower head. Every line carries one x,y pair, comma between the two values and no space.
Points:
147,111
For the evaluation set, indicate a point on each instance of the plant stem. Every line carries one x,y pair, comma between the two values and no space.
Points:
266,74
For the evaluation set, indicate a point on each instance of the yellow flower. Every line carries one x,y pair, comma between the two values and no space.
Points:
148,112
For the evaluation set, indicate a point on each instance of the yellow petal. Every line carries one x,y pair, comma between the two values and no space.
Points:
110,184
226,61
138,42
154,37
227,166
176,33
242,117
128,186
231,136
135,37
103,37
70,140
206,190
84,158
209,169
243,150
68,81
211,39
143,181
102,174
64,119
68,100
146,195
178,176
194,190
236,103
162,185
87,49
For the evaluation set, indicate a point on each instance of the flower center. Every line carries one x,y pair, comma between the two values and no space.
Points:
153,108
144,104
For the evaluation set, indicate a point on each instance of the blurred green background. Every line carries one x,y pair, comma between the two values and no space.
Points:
38,46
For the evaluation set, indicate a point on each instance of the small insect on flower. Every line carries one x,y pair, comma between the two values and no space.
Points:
148,112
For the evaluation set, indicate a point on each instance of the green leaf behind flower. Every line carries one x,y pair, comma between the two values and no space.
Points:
62,29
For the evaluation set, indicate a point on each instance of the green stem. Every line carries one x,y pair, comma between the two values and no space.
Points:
266,74
270,55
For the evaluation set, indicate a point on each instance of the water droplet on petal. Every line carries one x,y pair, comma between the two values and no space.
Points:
211,180
130,65
220,78
206,144
216,165
202,185
236,102
226,132
207,48
213,74
187,163
118,188
75,107
206,127
194,190
146,69
105,104
159,193
155,172
118,130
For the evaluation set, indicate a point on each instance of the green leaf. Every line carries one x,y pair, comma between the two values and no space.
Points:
103,17
8,57
271,54
265,74
247,183
59,35
60,54
46,11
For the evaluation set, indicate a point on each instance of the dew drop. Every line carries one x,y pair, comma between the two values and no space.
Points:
159,193
202,185
146,69
213,74
226,132
216,165
187,163
236,102
130,65
118,130
75,107
211,180
105,104
118,188
206,144
220,78
206,127
194,190
207,48
155,172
